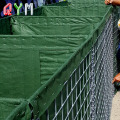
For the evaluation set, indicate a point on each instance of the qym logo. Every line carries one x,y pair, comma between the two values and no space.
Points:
7,11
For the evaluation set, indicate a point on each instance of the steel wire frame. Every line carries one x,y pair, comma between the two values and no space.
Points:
87,95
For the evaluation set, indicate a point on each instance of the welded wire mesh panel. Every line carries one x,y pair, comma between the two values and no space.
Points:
87,95
116,36
103,73
73,102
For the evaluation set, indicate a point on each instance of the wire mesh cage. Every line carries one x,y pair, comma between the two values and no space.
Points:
87,95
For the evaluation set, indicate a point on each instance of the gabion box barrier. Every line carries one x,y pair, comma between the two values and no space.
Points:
88,92
82,87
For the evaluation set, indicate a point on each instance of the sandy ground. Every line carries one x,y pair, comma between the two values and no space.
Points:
115,111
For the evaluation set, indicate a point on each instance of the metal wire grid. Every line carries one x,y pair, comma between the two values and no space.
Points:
87,95
116,35
75,96
102,90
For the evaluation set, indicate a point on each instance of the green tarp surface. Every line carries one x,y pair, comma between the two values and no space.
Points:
7,105
48,25
24,61
76,10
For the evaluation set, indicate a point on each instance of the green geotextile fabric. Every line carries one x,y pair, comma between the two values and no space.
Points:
86,2
58,56
48,25
71,10
7,105
27,62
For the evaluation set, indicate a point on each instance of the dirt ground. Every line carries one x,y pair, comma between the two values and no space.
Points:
115,111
